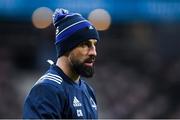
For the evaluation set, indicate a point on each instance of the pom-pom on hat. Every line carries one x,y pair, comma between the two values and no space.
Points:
71,30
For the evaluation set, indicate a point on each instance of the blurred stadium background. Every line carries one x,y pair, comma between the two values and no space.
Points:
138,64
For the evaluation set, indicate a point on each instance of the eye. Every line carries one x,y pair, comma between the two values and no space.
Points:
95,43
85,44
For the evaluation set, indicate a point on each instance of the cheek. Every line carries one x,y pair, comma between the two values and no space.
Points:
77,57
80,52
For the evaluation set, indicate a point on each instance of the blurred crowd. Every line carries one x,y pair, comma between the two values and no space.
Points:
136,75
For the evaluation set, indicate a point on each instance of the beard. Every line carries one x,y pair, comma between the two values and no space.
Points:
81,69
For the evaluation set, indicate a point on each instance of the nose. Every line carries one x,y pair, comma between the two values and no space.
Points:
92,51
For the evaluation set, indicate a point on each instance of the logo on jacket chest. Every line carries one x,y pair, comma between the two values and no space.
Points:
76,102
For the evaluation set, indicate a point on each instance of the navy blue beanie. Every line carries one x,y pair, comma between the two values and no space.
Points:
71,30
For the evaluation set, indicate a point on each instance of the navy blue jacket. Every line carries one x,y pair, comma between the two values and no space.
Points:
56,96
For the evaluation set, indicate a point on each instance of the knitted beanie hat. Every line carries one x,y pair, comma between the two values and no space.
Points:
71,30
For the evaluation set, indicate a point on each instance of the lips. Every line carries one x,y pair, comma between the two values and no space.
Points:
89,62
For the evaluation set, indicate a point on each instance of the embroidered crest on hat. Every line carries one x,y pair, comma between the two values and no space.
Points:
90,27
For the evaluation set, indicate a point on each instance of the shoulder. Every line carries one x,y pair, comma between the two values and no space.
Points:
46,90
49,83
50,79
44,100
42,90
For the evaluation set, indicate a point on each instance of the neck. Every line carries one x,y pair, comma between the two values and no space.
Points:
65,66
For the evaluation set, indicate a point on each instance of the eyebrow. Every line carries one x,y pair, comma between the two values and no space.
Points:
92,41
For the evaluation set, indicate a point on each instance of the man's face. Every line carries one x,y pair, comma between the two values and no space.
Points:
82,58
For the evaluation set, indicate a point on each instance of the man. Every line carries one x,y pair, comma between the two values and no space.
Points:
61,92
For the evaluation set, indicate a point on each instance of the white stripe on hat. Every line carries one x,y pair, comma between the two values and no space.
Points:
71,26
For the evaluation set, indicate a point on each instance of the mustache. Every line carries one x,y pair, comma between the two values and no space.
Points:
90,59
